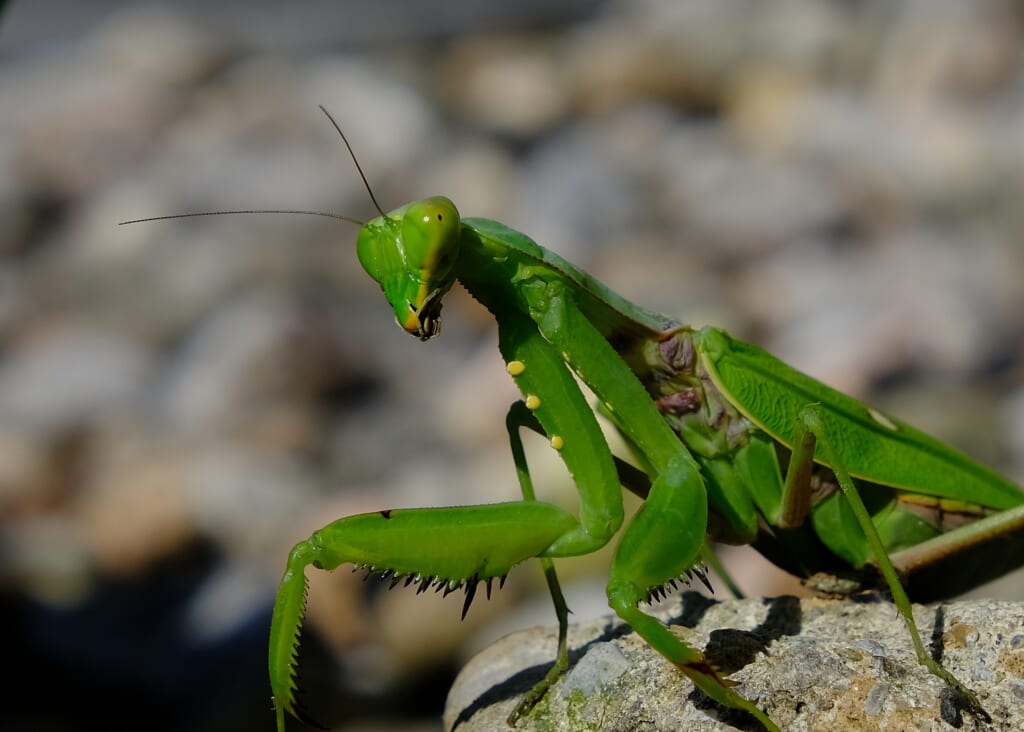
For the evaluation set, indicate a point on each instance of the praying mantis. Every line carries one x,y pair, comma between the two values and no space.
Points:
730,444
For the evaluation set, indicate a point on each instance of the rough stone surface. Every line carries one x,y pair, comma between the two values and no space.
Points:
811,664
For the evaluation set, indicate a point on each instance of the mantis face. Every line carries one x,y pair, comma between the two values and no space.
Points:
411,253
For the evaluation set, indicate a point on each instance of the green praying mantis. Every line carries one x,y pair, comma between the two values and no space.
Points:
732,445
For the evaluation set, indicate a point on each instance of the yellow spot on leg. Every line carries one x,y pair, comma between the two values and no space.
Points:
557,442
532,401
515,368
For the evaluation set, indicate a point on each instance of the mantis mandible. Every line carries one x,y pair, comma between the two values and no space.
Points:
733,446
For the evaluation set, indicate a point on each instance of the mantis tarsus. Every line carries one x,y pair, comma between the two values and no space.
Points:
733,446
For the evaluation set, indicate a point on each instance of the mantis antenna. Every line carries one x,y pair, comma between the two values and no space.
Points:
355,160
350,219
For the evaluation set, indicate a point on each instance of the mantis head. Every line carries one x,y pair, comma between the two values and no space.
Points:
411,253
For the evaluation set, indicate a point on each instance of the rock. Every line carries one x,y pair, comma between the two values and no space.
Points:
811,664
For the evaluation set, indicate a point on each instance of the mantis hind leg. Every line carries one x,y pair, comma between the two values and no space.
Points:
812,428
661,544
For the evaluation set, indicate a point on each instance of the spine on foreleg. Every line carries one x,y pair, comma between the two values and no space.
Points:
285,632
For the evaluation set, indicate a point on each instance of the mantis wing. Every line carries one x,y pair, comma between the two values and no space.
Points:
876,447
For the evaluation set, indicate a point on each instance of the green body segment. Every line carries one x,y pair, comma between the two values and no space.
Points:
736,446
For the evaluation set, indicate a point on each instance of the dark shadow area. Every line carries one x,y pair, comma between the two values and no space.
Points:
978,560
951,707
937,646
730,650
952,702
695,606
127,656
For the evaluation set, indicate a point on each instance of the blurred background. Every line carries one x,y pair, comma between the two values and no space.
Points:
181,401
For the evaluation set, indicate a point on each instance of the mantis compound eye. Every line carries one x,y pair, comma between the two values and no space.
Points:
430,237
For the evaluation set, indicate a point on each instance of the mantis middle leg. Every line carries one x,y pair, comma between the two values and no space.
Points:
519,416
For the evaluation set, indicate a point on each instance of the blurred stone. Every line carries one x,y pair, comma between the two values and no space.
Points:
232,365
734,204
508,85
158,46
1012,413
23,465
69,374
391,136
134,513
574,198
248,499
480,178
677,52
833,310
46,559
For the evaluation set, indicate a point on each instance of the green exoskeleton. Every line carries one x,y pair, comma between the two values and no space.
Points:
733,445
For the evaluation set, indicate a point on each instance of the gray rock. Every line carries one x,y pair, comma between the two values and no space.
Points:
810,663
